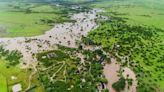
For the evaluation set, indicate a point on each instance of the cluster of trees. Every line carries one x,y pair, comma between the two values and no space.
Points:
49,57
74,76
119,85
141,44
13,57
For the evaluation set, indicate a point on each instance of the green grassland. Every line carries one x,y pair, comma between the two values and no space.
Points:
29,19
146,12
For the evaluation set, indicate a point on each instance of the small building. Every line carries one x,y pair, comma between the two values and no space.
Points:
13,77
101,60
17,88
51,55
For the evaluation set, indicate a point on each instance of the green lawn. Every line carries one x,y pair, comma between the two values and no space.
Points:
3,84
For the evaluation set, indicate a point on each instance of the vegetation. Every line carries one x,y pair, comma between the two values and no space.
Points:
138,45
30,19
145,12
12,74
119,85
3,84
13,57
63,70
141,44
21,77
133,34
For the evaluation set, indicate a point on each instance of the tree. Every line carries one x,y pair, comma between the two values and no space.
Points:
28,11
119,85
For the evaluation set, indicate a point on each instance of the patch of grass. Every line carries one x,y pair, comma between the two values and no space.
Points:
3,84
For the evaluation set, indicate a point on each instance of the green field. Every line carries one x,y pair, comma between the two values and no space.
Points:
29,19
146,12
3,84
22,76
